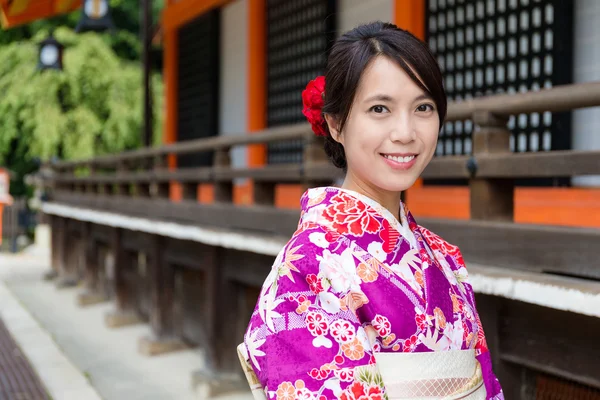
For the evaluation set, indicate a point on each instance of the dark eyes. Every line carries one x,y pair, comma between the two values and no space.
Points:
379,109
425,108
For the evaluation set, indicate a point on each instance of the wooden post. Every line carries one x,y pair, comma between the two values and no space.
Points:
90,187
509,375
66,277
124,313
162,286
264,193
121,188
54,249
92,293
160,189
219,376
189,191
491,199
223,189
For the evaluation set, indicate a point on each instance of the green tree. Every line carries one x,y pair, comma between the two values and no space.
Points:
93,107
125,15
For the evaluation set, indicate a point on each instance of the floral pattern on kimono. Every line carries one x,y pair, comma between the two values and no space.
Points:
352,281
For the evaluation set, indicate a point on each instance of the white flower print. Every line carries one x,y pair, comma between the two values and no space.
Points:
316,323
382,325
407,275
252,347
316,193
329,302
454,333
340,270
364,339
342,331
318,239
376,250
315,214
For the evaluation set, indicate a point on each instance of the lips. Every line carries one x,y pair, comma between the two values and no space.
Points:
400,158
400,161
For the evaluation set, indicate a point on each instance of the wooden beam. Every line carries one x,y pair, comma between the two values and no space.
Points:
33,12
17,7
560,250
224,216
556,342
550,249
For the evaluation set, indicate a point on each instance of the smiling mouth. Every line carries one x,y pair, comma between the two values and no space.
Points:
400,159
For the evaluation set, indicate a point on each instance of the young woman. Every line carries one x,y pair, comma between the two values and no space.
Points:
363,303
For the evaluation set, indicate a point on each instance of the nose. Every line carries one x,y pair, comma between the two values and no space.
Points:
403,129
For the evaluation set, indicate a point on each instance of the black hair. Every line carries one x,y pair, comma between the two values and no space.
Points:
353,52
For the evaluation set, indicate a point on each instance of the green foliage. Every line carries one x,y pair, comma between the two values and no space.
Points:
93,107
126,17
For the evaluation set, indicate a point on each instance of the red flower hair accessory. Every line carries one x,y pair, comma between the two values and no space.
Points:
313,99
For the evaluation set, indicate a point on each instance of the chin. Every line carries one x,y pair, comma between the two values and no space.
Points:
398,185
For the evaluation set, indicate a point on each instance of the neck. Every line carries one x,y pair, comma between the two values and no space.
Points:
389,200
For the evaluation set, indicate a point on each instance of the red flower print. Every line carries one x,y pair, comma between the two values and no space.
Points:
345,374
342,331
302,299
421,321
316,323
410,344
319,374
389,236
313,101
465,330
315,284
382,325
481,345
338,359
350,215
437,243
358,391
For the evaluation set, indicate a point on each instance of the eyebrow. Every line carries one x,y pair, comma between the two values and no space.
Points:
389,99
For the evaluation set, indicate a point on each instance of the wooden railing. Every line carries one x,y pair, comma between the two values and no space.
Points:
143,178
137,183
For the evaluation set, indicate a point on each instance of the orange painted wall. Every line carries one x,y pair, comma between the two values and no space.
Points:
577,207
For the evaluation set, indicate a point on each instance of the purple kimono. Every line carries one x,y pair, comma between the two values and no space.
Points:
353,281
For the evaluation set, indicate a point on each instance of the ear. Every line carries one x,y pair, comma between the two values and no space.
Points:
333,125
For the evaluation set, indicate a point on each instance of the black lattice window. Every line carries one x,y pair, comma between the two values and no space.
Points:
487,47
198,84
298,38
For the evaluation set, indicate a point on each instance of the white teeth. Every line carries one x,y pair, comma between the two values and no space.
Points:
400,159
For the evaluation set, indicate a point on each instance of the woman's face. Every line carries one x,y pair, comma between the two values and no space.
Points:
391,133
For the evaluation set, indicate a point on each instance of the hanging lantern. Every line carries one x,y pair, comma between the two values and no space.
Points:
51,54
95,16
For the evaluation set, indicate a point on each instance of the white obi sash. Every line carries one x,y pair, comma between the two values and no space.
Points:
449,375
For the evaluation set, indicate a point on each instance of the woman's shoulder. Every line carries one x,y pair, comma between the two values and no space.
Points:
310,246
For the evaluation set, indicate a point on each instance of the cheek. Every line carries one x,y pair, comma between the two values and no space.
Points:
429,135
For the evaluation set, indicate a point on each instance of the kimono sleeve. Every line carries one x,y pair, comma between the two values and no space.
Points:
303,341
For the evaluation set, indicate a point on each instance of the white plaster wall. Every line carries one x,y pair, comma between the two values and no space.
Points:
586,68
233,86
356,12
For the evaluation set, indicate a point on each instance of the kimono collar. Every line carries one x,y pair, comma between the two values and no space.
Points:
315,200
